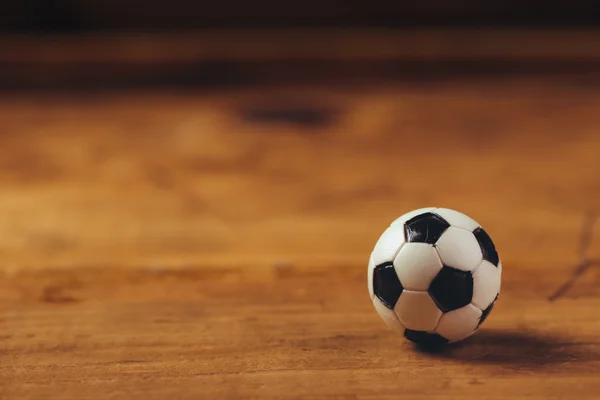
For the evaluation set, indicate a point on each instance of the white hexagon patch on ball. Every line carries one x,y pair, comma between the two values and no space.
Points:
434,276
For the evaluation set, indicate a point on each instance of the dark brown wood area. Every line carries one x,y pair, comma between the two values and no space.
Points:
70,16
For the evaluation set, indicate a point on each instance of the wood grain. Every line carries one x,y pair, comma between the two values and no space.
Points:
219,58
214,245
300,44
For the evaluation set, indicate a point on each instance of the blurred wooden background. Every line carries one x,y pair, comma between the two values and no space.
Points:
68,44
85,15
188,212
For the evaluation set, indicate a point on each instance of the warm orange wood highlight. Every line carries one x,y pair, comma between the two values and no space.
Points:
161,245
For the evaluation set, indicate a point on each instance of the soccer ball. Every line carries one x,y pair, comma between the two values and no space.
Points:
434,276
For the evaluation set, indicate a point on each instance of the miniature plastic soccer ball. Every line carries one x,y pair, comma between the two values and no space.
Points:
434,276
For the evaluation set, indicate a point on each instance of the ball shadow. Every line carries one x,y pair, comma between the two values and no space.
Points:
518,349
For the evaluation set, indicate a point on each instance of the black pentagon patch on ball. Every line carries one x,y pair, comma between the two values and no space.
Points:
487,246
451,289
425,228
386,285
425,339
486,312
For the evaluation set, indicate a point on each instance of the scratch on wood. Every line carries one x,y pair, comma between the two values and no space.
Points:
55,294
307,115
584,263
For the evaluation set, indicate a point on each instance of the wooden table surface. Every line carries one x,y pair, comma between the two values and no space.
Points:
214,244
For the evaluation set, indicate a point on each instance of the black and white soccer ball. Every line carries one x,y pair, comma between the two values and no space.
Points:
434,276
